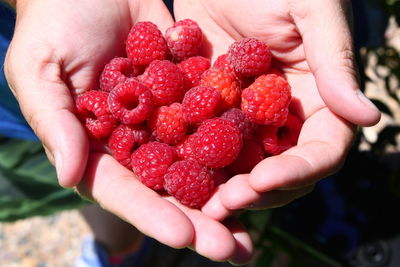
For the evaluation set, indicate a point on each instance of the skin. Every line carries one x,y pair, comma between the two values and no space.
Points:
312,41
58,51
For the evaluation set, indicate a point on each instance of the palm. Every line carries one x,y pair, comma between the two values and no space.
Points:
324,136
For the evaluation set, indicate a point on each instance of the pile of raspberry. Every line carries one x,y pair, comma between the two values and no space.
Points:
182,124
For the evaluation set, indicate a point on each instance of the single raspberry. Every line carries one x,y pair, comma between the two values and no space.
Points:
189,182
145,43
217,143
266,101
168,125
226,83
125,139
200,103
184,149
93,111
246,127
130,102
222,63
117,71
277,140
249,57
141,134
151,161
250,155
184,39
192,68
166,82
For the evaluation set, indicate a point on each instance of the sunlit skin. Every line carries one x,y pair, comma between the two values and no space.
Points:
60,46
311,40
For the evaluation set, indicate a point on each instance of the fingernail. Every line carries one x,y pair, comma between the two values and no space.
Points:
59,162
365,99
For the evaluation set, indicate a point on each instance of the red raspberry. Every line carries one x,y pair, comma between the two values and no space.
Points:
277,140
117,71
266,100
189,182
166,82
250,155
225,82
246,127
168,125
184,148
217,143
93,111
192,68
184,39
130,102
249,57
141,134
200,103
145,43
151,161
222,63
125,139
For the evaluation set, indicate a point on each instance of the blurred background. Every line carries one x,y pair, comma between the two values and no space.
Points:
349,220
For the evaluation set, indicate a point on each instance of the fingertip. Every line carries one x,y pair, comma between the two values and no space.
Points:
271,173
237,193
71,149
244,244
212,239
176,237
339,90
372,114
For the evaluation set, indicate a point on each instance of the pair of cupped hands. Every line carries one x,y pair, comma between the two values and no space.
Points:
60,47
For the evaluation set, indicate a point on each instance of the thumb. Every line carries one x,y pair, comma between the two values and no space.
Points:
324,27
48,107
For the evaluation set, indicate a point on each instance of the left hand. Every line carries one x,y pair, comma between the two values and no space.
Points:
312,41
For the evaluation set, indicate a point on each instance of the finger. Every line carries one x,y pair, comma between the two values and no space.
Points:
279,198
244,244
48,107
328,46
322,147
212,239
154,11
214,208
116,189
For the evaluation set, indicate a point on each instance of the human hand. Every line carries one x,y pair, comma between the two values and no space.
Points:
58,51
312,41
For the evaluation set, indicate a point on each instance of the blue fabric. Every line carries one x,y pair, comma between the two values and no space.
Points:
12,123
